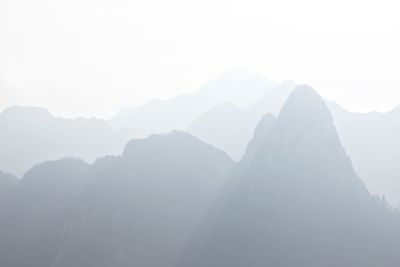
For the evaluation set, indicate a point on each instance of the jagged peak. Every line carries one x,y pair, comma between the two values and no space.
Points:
303,127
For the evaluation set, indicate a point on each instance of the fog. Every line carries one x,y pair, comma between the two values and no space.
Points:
268,180
90,58
199,134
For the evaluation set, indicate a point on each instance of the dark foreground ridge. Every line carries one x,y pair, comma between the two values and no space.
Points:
138,209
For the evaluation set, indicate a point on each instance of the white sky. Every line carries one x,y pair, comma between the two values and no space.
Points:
90,57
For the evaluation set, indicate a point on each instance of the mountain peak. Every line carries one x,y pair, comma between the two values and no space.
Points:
306,108
292,197
304,97
303,135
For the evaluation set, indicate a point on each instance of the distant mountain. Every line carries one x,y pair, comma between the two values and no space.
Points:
370,139
137,209
373,142
230,128
30,135
272,100
295,200
239,86
225,126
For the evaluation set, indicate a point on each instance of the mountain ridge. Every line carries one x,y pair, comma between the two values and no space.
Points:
298,202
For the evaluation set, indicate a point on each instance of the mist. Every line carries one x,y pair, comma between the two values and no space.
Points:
199,134
90,58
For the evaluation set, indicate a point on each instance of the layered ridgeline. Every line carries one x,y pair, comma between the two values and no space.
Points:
230,127
295,200
239,86
372,140
137,209
30,135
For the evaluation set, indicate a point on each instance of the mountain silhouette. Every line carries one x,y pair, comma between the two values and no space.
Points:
30,135
372,141
8,183
177,199
137,209
37,210
295,200
230,128
223,126
239,86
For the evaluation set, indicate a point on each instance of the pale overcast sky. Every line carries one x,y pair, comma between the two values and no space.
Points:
90,57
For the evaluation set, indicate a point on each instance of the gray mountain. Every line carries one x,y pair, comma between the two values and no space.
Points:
8,183
35,217
295,200
226,127
372,141
30,135
239,86
137,209
230,128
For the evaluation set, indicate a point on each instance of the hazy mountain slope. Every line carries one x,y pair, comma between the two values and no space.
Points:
263,128
137,209
297,202
225,126
230,128
370,139
373,142
8,183
272,100
31,135
238,86
36,215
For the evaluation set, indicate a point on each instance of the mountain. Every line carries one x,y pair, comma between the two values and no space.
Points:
8,183
272,100
262,129
239,86
225,126
295,200
136,209
230,128
34,218
30,135
372,140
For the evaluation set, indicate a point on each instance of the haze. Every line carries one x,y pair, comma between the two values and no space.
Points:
89,58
